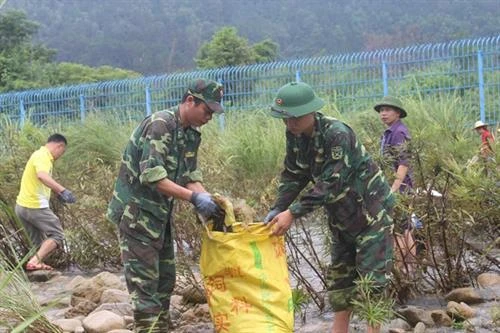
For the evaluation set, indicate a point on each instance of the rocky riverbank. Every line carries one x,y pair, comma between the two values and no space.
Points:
100,303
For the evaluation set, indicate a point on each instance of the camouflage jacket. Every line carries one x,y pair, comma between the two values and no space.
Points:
158,148
345,178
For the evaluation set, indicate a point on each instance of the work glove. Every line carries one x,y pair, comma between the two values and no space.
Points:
204,204
67,197
271,215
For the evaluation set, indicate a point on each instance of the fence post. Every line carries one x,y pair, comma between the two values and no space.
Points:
384,78
148,101
481,85
297,75
221,117
22,112
82,107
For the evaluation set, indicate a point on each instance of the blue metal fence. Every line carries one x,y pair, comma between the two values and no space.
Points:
469,68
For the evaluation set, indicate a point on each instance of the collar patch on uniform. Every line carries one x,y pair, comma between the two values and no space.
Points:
189,154
337,152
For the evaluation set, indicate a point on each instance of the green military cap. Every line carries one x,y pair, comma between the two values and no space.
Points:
208,91
295,99
393,102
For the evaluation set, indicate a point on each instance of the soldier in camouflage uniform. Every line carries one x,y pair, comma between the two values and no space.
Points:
159,165
347,183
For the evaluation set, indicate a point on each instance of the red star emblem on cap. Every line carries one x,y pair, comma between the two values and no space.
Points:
279,101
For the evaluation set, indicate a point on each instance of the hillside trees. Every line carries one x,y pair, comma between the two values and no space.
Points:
153,37
27,65
21,62
227,48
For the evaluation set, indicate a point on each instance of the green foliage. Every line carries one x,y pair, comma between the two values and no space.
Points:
227,48
15,30
248,151
266,50
24,65
458,324
70,73
436,76
21,63
300,298
99,138
370,305
300,301
21,311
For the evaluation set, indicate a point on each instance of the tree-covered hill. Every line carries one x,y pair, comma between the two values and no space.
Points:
155,36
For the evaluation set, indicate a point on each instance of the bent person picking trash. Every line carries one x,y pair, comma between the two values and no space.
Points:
32,205
347,184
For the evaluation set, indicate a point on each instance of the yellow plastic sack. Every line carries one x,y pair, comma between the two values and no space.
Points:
245,275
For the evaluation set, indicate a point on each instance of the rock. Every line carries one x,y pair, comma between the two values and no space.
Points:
41,275
102,322
114,296
419,328
83,308
108,280
399,324
201,328
467,311
189,316
175,314
491,293
396,330
60,302
460,311
441,318
77,280
68,325
176,301
121,309
202,311
467,295
128,319
193,294
414,315
86,290
488,279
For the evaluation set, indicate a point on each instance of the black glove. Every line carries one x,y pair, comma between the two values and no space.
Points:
67,197
205,205
271,215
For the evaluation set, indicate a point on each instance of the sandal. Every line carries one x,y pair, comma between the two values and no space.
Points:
38,267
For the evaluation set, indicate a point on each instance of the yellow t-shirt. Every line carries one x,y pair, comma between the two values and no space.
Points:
33,193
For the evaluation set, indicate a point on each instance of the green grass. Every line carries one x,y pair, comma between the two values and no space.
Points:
372,306
21,311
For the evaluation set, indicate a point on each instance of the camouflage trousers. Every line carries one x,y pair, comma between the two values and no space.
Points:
150,276
369,251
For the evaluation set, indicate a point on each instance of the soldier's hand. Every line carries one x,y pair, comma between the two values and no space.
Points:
205,204
272,213
67,197
280,224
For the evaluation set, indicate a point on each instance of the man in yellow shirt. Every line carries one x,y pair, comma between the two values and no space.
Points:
32,204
